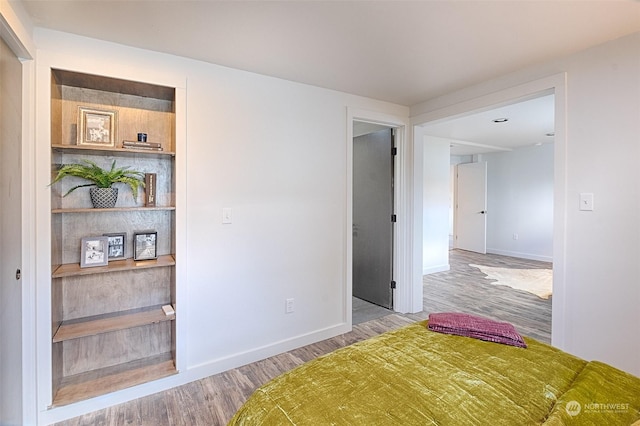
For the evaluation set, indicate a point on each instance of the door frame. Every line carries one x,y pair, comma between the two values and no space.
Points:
402,260
14,34
555,84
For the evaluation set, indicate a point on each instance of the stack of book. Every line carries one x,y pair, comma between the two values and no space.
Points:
151,146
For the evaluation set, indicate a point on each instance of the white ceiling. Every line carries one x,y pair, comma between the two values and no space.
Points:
529,123
403,52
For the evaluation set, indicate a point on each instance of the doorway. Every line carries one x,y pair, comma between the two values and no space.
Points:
373,217
517,176
407,295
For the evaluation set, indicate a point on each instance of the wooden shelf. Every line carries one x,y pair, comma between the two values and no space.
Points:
115,209
121,152
74,269
99,382
84,327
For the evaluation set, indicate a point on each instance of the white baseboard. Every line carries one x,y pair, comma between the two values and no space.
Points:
520,255
236,360
434,269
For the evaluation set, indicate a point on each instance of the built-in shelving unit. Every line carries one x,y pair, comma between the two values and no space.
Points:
109,330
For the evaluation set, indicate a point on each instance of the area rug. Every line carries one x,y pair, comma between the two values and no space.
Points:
536,281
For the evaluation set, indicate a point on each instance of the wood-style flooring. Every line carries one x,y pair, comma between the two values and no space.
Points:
465,288
214,400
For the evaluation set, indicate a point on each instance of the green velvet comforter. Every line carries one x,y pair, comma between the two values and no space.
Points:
413,376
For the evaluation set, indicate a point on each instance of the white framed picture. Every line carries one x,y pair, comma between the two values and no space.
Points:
97,127
94,251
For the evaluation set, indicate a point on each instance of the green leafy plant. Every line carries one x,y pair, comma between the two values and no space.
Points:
100,177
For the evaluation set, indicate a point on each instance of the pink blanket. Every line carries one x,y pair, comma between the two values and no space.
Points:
477,327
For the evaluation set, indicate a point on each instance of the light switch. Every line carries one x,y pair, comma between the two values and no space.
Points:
227,215
586,201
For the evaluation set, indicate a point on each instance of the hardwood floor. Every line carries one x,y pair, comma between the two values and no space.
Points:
214,400
465,288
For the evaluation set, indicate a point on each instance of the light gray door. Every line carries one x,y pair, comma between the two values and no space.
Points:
372,217
10,237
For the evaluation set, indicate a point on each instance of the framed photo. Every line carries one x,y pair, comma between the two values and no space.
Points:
116,245
145,245
96,127
94,251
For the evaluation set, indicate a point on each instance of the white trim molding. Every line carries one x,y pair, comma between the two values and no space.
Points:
408,286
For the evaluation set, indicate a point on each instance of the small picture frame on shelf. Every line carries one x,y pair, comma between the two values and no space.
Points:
97,127
117,244
145,245
94,252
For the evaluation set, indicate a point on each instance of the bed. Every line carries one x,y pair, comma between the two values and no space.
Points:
415,376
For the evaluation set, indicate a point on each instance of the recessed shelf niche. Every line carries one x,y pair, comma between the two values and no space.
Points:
108,329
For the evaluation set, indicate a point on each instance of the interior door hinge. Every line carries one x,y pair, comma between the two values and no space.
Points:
394,151
394,218
393,284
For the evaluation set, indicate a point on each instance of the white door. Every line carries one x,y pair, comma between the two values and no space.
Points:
10,237
471,207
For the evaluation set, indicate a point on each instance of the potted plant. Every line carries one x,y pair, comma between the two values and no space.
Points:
103,194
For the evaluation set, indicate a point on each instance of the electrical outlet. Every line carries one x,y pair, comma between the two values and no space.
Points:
289,306
515,236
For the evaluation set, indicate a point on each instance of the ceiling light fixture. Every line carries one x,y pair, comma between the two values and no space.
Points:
500,120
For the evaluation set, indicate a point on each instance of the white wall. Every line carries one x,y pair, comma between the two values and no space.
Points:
273,151
520,202
436,203
596,313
